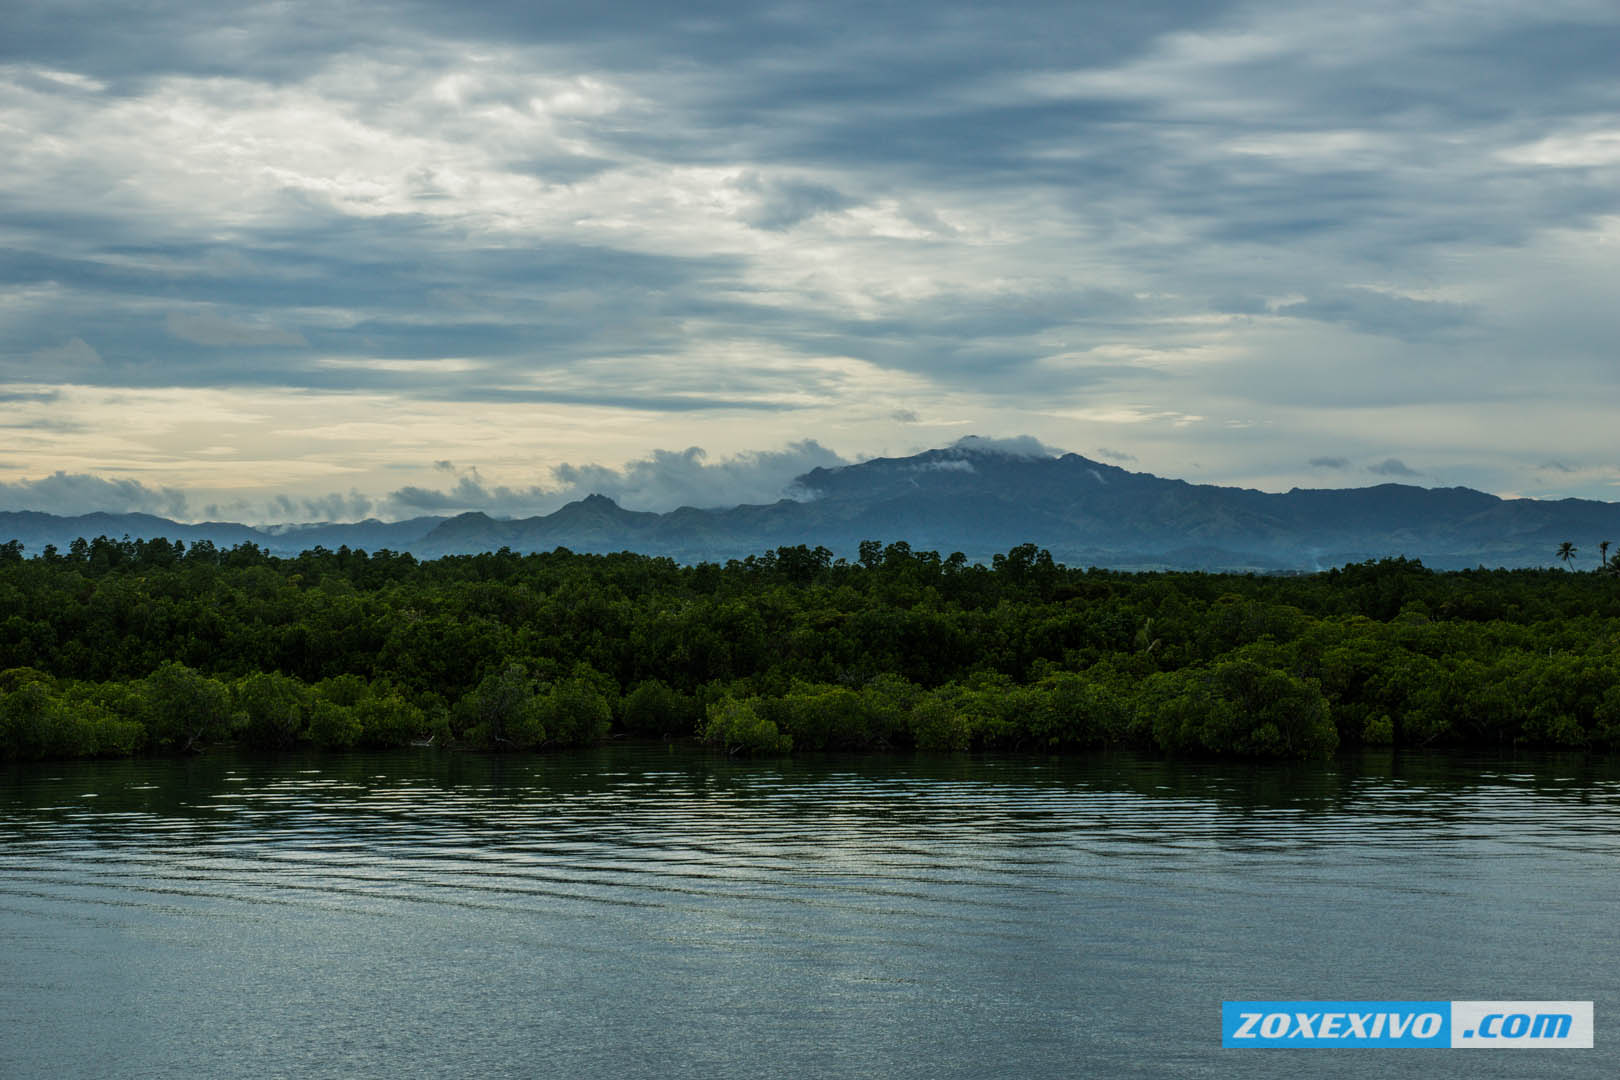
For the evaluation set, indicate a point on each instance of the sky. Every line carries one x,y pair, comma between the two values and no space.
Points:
318,261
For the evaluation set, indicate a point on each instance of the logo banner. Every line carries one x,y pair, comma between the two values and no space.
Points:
1474,1025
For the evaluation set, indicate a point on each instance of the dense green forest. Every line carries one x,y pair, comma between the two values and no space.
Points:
123,647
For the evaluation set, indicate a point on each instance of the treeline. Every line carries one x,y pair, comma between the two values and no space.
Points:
122,647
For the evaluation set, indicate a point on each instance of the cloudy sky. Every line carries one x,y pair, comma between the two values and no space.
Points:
298,260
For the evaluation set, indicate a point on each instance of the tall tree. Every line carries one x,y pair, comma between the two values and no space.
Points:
1566,551
1603,554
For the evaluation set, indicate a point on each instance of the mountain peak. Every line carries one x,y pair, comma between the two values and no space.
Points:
1019,446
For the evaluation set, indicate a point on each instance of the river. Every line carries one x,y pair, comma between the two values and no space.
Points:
653,911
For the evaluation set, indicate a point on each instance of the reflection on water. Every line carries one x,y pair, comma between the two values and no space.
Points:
647,911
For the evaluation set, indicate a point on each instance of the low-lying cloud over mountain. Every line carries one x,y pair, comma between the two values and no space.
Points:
69,493
978,496
1392,467
667,479
664,480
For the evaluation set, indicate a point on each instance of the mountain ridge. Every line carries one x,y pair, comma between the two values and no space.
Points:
977,500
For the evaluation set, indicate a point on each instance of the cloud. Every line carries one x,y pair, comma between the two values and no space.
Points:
278,514
1332,463
469,493
1392,467
332,507
45,423
948,465
904,416
1093,213
205,328
75,354
69,494
1238,304
1114,455
662,481
670,479
781,204
1373,312
1018,446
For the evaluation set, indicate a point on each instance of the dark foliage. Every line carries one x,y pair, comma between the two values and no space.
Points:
117,647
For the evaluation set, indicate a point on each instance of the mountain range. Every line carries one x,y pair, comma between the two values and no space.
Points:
979,501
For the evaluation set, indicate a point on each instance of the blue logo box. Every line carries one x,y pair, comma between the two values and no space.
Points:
1338,1024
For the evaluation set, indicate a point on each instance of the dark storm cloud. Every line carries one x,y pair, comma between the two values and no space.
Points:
1329,463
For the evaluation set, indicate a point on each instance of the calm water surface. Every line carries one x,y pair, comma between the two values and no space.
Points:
654,912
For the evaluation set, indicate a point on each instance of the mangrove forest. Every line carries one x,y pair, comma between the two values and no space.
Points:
148,647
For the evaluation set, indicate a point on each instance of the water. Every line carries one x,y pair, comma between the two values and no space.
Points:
653,912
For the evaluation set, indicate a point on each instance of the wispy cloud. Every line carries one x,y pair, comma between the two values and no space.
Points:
75,355
1372,312
1392,467
206,328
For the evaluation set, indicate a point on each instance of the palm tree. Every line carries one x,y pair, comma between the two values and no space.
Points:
1566,551
1603,554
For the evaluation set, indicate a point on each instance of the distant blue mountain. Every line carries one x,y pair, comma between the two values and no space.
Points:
36,530
980,502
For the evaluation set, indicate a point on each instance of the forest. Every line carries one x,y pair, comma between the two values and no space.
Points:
146,647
